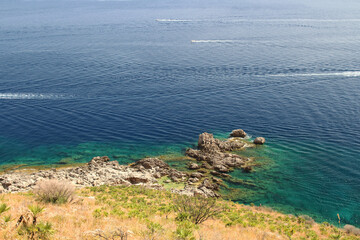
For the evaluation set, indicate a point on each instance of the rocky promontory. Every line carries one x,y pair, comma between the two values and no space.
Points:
102,171
213,154
212,157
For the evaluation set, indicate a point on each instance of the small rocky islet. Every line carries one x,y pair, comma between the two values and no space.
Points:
212,160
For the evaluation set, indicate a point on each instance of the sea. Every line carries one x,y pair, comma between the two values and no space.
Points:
132,79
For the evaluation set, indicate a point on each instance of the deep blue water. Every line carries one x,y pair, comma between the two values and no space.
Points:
131,79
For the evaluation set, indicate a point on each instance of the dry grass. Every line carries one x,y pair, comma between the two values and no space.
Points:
54,191
147,214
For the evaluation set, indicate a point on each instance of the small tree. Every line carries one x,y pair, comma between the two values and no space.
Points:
31,228
35,211
197,209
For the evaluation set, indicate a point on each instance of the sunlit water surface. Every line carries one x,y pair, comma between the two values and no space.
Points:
131,79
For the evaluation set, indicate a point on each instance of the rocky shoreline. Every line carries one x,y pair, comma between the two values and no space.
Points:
211,160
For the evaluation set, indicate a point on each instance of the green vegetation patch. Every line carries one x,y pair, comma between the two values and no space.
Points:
142,203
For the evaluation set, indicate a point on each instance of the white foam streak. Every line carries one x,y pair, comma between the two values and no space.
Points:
29,96
172,20
343,74
215,41
261,20
292,20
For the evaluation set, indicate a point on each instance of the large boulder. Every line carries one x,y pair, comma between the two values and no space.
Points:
259,140
208,143
238,133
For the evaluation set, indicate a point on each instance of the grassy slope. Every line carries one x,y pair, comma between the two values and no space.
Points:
148,214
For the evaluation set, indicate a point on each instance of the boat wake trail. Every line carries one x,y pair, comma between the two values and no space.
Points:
330,74
274,20
172,20
216,41
30,96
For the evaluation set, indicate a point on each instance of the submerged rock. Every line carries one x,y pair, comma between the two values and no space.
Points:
259,140
218,174
247,169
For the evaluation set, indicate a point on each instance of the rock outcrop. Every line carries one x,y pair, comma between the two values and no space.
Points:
158,169
207,143
102,171
213,154
99,171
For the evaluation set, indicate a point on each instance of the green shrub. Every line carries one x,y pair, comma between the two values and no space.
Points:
185,231
31,228
97,213
41,231
3,208
196,209
36,209
7,218
153,231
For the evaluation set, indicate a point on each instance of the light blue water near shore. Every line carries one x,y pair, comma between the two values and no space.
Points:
130,79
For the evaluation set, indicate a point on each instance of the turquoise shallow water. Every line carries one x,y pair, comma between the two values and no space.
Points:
130,79
298,172
283,178
61,155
